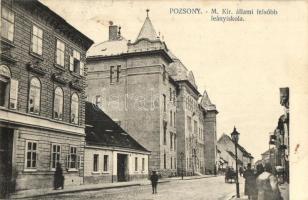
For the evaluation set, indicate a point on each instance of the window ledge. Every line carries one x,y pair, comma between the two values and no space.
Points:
105,172
30,170
76,74
59,67
40,57
7,42
96,173
72,170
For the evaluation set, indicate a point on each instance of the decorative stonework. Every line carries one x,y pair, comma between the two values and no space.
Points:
34,67
76,84
59,78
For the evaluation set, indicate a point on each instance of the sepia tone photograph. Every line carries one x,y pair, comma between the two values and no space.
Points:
150,100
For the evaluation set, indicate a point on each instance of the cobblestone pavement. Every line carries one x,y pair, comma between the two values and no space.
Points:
208,189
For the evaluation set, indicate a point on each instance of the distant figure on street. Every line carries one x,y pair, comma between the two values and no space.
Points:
267,185
58,177
250,183
241,171
260,170
154,181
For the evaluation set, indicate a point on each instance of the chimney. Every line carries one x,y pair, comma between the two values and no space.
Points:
113,31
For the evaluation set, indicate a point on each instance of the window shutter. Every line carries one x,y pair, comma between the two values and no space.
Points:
13,93
80,162
71,63
82,68
67,161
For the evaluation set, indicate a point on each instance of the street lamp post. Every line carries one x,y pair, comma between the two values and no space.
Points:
235,138
181,157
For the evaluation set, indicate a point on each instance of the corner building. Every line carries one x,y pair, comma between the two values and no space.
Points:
134,82
42,81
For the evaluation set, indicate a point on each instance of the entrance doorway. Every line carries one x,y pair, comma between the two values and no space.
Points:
122,171
6,147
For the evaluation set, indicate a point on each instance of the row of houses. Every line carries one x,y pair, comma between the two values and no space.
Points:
158,119
226,154
279,143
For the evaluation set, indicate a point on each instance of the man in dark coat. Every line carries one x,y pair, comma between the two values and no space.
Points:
58,177
154,181
250,183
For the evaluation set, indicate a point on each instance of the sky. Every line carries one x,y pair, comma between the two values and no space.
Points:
241,65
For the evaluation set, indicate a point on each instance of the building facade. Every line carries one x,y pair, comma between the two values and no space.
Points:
111,154
144,87
41,97
227,148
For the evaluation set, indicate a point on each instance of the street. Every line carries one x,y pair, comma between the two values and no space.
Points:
207,188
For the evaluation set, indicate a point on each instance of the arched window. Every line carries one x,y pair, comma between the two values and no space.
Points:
58,104
74,109
34,96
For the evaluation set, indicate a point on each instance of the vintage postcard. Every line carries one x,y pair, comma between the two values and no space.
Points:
136,99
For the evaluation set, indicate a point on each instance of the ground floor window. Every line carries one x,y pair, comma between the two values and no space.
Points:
72,158
143,163
106,163
55,155
31,157
136,164
95,162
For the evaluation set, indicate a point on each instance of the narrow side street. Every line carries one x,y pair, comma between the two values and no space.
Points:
213,188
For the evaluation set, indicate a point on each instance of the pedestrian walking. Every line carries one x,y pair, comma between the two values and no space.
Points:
58,177
154,181
267,185
250,183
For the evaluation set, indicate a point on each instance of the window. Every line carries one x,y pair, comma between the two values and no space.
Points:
174,119
136,164
143,164
98,100
74,109
95,163
174,163
34,96
118,72
31,157
37,40
55,155
165,132
170,117
111,74
164,73
174,96
58,104
72,162
174,142
60,53
165,161
171,142
164,98
76,65
189,123
7,23
5,82
195,127
171,163
106,163
170,95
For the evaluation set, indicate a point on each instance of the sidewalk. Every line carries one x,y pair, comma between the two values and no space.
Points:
92,187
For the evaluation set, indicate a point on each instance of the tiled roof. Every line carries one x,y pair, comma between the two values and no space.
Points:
101,130
109,47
